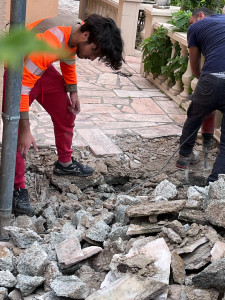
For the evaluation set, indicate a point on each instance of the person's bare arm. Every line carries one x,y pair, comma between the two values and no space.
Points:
195,61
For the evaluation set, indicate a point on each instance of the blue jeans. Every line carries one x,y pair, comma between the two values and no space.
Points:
208,96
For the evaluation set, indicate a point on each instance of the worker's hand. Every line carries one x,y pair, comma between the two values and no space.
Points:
25,138
74,108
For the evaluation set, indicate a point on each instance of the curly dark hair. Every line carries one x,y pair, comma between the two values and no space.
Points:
105,34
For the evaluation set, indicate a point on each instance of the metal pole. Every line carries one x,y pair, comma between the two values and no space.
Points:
10,124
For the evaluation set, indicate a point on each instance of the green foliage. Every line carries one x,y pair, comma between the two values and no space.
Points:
20,42
180,20
156,51
215,5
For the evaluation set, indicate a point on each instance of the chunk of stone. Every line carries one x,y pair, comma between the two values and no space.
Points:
7,279
212,276
69,231
218,251
127,200
32,261
120,214
138,228
154,253
107,216
165,189
118,231
51,272
155,208
23,238
172,235
193,293
69,251
178,270
198,258
215,213
15,295
193,215
130,287
82,218
217,188
27,284
193,246
24,222
6,259
98,232
3,293
69,286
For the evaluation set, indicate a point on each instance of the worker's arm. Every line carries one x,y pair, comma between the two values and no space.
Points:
195,61
25,138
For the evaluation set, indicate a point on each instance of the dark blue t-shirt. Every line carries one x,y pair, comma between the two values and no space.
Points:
208,35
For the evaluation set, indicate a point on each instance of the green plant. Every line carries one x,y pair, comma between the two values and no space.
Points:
180,20
156,51
215,5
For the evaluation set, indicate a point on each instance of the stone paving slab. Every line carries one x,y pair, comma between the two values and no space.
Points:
100,144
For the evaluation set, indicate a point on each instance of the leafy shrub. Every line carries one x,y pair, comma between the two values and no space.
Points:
180,20
156,51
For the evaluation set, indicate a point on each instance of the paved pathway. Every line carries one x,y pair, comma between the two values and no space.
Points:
112,104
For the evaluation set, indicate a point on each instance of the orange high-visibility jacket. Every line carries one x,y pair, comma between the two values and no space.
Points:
56,31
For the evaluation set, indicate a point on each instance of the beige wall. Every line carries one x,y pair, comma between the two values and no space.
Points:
36,9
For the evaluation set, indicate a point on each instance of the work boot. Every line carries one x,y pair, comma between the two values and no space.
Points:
21,203
183,162
75,169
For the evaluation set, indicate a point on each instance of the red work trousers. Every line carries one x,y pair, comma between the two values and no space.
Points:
50,92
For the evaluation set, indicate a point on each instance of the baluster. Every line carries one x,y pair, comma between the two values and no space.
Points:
177,89
186,78
167,84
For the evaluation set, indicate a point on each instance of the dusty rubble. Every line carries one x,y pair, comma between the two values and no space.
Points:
95,238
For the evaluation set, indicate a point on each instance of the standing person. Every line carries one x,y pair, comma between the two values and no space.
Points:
96,37
206,36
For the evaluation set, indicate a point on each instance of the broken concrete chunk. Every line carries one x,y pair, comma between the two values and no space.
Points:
127,200
69,251
143,228
165,189
6,259
218,251
32,261
3,293
177,265
212,276
23,238
192,215
130,287
217,189
172,235
198,258
98,232
7,279
155,208
27,284
69,286
192,247
215,213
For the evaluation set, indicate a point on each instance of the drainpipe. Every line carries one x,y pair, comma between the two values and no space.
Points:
10,118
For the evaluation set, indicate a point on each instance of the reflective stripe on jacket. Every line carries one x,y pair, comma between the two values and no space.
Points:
57,32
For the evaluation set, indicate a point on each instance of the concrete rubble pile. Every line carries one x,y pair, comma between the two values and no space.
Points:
145,247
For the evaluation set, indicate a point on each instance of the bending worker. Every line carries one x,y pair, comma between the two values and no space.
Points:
96,37
206,36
